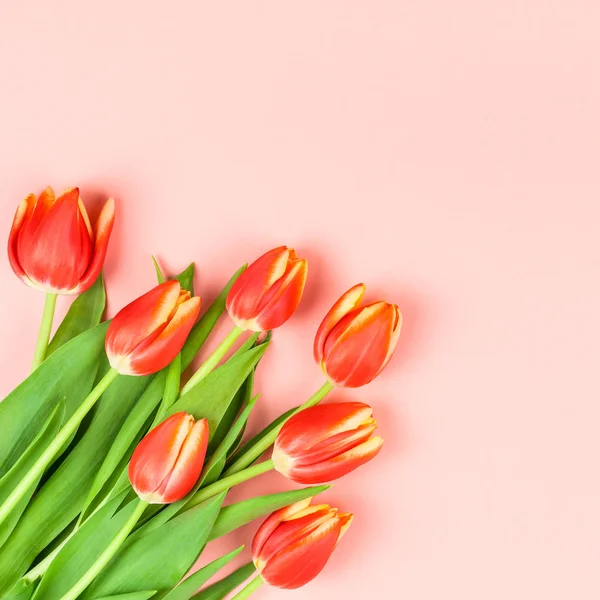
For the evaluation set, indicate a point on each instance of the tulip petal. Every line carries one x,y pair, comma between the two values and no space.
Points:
359,345
54,248
152,356
336,445
316,424
134,323
345,522
338,466
301,562
346,303
188,465
249,288
283,298
23,213
155,456
272,522
104,228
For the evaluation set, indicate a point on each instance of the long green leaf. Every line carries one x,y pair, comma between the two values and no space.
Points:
211,397
190,585
159,559
23,590
144,595
84,313
28,458
83,549
69,373
222,588
236,515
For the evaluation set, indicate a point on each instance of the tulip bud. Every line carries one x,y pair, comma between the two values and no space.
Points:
325,442
353,343
147,334
52,246
268,292
294,544
167,463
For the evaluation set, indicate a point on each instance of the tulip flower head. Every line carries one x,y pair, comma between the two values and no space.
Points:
354,343
52,246
294,544
268,292
167,463
325,442
147,334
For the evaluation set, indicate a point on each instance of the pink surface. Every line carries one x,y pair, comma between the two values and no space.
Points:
446,153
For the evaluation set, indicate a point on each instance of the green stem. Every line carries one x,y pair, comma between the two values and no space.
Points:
61,438
228,482
213,360
107,555
255,452
41,346
249,589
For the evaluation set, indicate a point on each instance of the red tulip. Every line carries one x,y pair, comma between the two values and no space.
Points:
147,334
167,463
52,246
326,442
268,292
354,343
294,544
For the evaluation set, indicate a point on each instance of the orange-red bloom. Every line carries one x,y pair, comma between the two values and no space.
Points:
167,463
52,246
268,292
326,442
294,544
354,343
147,334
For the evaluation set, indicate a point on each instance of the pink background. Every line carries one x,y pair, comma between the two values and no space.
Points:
446,153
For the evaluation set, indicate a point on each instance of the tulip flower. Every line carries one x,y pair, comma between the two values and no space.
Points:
167,463
263,297
147,334
52,247
354,343
325,442
294,544
268,292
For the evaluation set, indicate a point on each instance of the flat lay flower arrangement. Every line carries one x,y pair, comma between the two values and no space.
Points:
114,475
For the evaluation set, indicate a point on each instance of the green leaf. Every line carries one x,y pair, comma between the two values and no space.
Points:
69,373
215,465
145,595
186,279
212,396
28,458
83,549
247,447
236,515
172,386
159,559
84,313
60,499
159,274
22,590
222,588
189,586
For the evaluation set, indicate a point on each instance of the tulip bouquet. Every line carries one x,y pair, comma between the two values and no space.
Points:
114,475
